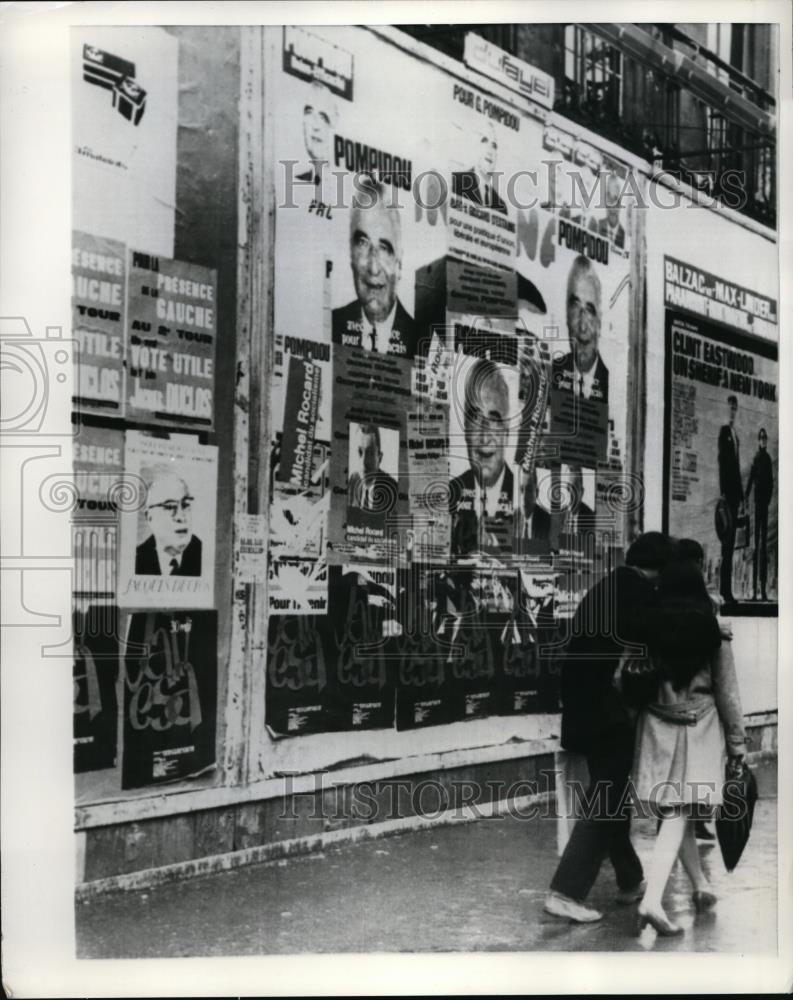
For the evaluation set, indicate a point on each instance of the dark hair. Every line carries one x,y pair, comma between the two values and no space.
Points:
683,630
732,399
691,550
652,550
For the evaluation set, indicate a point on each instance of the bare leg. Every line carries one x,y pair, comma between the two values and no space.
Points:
667,846
689,856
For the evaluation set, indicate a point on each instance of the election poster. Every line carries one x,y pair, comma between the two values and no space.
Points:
168,541
484,420
98,313
362,630
124,87
102,490
524,663
368,466
95,675
297,698
428,478
297,586
721,451
171,340
487,141
170,697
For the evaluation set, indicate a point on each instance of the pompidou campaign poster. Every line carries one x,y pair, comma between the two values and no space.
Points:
722,432
449,402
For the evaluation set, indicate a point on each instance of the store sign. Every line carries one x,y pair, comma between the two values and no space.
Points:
506,69
310,57
706,295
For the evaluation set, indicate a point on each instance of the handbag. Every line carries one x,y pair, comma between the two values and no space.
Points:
735,815
637,679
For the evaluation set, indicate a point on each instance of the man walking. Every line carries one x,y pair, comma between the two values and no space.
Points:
613,613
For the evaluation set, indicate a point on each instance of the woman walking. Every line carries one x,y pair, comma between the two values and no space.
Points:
682,736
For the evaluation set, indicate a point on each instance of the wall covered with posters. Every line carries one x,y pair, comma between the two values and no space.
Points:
450,404
712,330
154,312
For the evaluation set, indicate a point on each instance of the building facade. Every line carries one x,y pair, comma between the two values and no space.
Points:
322,298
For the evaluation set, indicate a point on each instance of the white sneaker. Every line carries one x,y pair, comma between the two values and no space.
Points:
562,906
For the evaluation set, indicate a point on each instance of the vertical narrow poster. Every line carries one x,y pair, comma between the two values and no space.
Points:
170,696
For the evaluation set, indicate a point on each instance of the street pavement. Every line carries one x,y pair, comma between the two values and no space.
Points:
467,886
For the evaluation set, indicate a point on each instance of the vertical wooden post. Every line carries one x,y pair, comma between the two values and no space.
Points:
637,372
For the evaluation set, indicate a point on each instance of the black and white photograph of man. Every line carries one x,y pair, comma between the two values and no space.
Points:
370,487
319,120
582,370
481,499
171,549
610,227
480,183
375,319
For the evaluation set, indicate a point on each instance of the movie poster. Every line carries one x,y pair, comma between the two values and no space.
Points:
124,123
170,697
95,674
721,465
98,313
101,487
168,543
171,336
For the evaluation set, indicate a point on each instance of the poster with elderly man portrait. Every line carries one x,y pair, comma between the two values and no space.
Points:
168,542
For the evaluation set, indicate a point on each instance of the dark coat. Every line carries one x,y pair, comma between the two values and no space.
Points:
619,233
385,491
147,563
762,478
465,520
730,485
348,329
465,184
564,376
592,714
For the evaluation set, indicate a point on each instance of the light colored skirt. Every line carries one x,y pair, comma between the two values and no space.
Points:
677,765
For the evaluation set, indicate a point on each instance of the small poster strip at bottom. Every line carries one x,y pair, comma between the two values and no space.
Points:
170,697
95,674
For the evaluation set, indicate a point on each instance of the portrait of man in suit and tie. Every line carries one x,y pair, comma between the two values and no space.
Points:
375,320
319,121
369,487
610,227
582,370
171,549
481,500
731,490
480,183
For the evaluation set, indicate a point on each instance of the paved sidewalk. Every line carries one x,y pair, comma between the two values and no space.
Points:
463,887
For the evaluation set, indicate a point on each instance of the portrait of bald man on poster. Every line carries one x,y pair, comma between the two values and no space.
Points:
171,549
375,320
582,371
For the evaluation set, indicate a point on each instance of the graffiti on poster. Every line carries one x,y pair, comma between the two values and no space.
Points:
721,456
170,697
171,336
95,706
168,543
98,306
